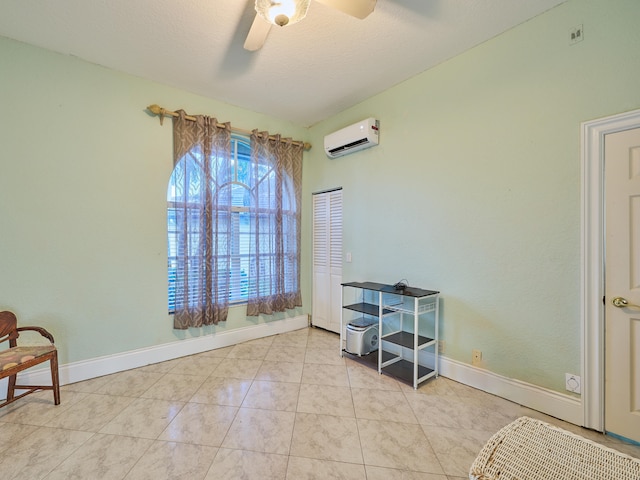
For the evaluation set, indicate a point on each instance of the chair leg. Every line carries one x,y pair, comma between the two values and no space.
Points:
11,386
55,381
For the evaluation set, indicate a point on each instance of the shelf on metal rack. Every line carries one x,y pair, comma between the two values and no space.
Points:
405,339
403,369
367,308
403,308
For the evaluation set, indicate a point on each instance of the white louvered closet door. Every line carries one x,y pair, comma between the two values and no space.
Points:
327,259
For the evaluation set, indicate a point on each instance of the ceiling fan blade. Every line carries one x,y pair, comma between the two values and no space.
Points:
257,34
355,8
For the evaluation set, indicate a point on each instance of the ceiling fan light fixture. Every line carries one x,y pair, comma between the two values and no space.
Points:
282,12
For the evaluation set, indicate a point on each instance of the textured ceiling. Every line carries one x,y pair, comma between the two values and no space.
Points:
305,72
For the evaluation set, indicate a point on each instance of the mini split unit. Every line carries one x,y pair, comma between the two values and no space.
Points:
350,139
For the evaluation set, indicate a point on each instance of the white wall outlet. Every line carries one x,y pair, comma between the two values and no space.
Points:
440,347
572,383
576,34
348,257
476,357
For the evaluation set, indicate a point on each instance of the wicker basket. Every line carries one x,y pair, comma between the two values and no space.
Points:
529,449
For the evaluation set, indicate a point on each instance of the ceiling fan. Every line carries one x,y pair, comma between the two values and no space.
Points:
288,12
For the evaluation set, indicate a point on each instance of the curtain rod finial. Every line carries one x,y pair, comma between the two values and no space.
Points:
155,109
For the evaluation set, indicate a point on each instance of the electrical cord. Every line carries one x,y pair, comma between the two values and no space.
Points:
401,285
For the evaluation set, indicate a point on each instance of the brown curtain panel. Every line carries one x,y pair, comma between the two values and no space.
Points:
202,156
276,186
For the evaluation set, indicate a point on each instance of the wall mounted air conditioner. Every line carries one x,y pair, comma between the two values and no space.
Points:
350,139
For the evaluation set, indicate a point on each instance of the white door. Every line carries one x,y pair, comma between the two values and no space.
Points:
327,259
622,284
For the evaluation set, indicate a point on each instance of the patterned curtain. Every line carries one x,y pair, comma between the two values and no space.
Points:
202,156
274,262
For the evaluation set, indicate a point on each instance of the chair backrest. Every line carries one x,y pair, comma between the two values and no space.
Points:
8,327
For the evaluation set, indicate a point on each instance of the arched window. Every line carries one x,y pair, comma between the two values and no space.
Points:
250,185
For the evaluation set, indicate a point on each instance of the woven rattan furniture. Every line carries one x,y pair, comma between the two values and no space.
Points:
16,358
529,449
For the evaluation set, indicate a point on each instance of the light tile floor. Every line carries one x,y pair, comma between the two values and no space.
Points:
282,407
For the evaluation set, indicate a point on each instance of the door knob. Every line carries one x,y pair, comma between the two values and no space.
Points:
622,302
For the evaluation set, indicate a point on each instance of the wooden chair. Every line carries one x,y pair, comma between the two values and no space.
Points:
16,359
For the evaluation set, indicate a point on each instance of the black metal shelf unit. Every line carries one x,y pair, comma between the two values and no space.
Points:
405,351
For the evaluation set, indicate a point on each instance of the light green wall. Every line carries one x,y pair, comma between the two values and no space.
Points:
474,189
83,179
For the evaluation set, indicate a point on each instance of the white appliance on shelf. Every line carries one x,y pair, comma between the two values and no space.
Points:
362,337
350,139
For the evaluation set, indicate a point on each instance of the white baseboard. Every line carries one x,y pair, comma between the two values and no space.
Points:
564,407
97,367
